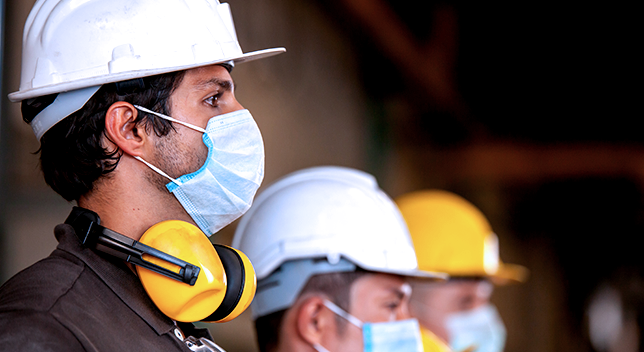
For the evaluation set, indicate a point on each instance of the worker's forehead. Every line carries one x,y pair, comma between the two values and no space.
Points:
480,287
207,77
378,284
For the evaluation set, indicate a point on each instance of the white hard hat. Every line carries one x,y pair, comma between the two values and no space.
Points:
72,45
327,212
321,220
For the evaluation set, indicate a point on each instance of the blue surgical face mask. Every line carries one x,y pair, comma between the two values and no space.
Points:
222,190
480,328
399,335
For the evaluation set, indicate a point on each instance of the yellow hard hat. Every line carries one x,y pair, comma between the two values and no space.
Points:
432,343
223,289
451,235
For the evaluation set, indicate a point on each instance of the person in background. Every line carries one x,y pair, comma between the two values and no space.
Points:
451,235
332,255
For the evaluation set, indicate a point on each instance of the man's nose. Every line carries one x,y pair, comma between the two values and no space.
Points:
403,313
233,106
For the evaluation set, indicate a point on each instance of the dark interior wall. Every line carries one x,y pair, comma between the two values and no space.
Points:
593,226
3,139
545,138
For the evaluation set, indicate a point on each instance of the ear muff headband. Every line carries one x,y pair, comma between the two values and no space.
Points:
86,224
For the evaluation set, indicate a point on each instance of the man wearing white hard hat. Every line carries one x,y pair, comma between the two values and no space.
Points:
134,107
332,254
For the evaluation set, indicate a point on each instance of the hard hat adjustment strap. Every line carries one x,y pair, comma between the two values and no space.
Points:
30,108
44,112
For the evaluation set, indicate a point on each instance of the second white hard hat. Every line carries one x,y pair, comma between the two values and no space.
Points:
327,212
322,220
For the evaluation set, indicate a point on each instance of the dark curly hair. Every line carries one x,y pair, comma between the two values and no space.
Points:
72,157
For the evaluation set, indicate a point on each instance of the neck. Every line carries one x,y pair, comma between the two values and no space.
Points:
293,346
129,203
290,340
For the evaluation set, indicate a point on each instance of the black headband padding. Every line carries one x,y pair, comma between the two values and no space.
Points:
130,86
236,277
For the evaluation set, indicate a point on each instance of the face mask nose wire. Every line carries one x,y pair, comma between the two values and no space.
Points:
196,128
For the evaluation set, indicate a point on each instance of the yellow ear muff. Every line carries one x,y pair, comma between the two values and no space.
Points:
242,283
224,287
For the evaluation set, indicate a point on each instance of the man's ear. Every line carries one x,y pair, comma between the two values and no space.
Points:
314,320
122,131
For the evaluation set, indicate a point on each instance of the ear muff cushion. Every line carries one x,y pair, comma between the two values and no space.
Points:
236,277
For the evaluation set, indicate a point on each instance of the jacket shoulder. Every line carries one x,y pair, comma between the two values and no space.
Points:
39,286
35,331
26,299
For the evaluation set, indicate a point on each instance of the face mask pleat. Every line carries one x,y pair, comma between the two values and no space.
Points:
481,328
398,335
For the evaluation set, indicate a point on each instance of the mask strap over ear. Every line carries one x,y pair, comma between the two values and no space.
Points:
159,171
319,348
341,312
172,119
86,224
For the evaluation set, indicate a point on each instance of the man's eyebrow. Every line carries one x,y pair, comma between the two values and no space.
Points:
225,84
401,292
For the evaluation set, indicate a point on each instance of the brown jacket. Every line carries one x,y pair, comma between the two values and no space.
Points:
78,300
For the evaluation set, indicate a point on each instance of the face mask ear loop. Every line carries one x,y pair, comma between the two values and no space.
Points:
341,312
170,119
319,348
155,169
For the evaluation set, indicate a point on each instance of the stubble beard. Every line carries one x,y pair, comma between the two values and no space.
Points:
176,159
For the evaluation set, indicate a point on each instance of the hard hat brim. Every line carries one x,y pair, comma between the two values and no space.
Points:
111,78
419,274
510,274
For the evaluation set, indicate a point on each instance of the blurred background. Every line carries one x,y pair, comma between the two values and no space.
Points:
527,109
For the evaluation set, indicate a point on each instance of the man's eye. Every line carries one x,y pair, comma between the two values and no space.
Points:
393,305
213,100
467,302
